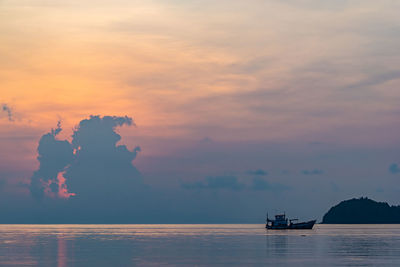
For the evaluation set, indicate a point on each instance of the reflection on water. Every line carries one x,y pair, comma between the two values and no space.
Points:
62,251
154,245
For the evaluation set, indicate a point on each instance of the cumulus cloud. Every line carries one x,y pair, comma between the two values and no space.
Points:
8,110
312,172
259,172
394,168
101,167
217,182
54,156
92,165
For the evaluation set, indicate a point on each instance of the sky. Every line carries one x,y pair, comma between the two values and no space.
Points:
196,111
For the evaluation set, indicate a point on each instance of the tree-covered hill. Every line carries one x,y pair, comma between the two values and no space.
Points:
362,210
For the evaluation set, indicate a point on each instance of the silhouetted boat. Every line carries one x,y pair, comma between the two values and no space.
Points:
281,222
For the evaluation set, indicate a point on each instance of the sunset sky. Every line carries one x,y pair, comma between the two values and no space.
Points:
238,107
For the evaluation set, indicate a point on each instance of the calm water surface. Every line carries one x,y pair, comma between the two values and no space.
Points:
188,245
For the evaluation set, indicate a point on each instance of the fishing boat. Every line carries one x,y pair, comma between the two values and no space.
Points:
282,223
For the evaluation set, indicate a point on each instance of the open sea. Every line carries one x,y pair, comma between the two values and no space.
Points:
198,245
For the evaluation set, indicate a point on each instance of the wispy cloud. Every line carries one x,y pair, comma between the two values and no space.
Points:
8,110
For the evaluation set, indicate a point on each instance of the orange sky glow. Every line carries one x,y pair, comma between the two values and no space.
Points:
230,71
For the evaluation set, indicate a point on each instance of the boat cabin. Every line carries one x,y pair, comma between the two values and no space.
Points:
280,220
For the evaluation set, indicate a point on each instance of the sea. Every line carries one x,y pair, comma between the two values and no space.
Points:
198,245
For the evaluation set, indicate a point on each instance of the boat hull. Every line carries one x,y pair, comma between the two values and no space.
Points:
301,225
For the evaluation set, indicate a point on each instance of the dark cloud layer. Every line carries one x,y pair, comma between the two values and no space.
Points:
9,112
394,168
216,182
109,189
232,183
2,183
91,166
257,172
312,172
262,184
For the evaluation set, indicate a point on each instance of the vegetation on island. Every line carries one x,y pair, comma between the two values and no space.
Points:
362,211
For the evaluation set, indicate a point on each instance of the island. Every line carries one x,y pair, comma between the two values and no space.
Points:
362,211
